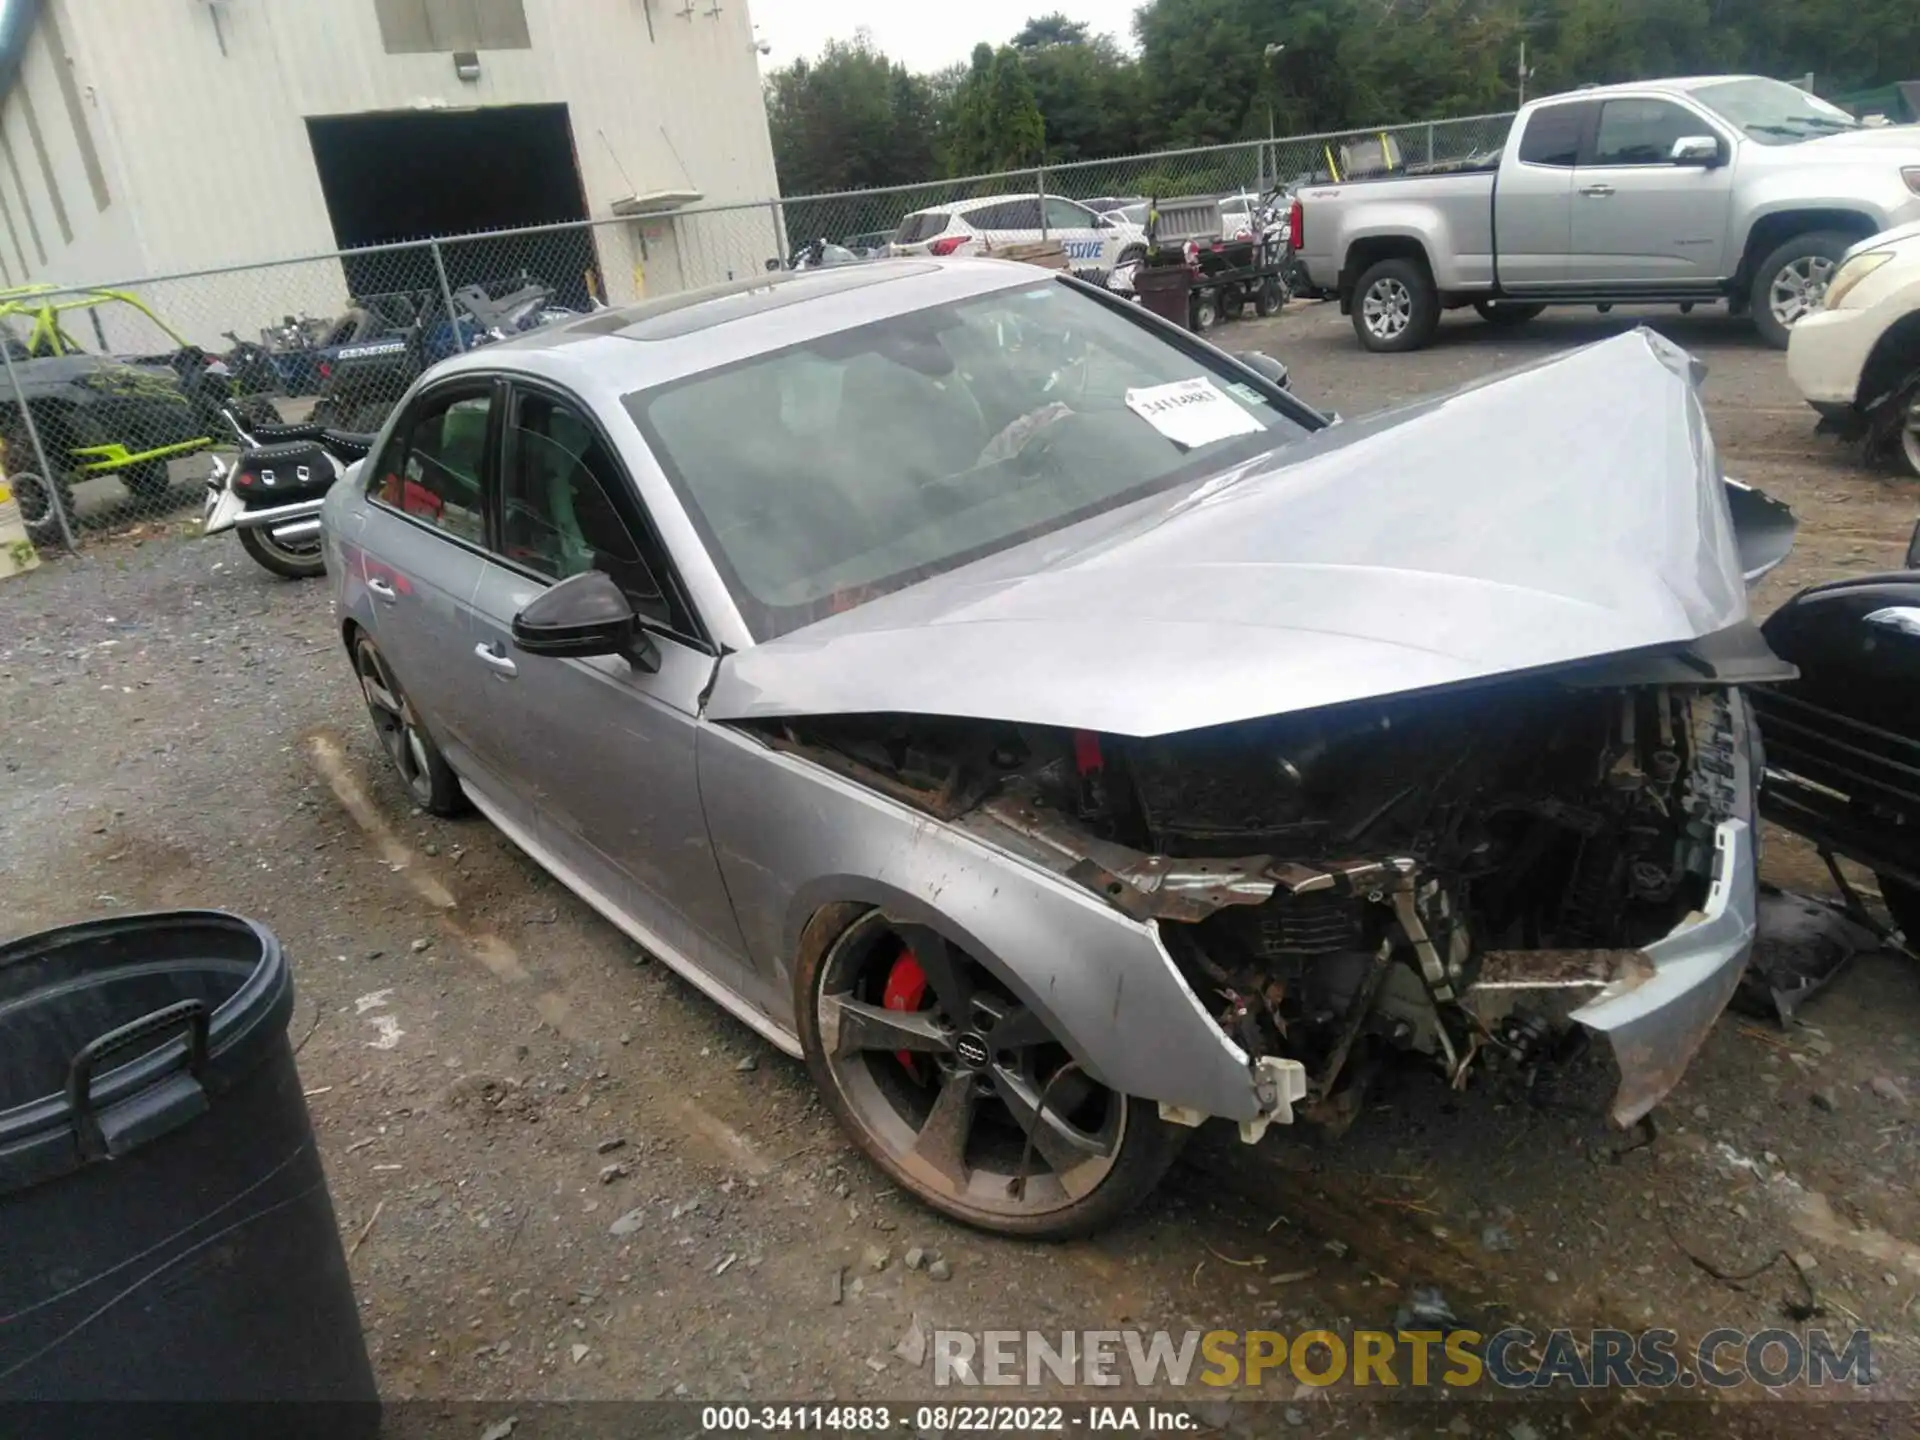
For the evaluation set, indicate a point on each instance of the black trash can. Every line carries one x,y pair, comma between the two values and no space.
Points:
165,1228
1166,291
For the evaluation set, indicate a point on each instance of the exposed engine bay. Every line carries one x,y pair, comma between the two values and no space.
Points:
1446,875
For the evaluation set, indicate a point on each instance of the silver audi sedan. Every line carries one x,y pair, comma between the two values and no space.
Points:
1058,734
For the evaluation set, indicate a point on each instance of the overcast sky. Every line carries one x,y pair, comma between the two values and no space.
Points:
924,34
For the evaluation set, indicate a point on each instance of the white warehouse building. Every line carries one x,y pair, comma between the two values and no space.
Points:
145,138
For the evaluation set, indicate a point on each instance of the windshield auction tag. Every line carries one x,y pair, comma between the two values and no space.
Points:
1191,412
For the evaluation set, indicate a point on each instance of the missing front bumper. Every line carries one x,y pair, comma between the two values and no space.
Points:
1654,1005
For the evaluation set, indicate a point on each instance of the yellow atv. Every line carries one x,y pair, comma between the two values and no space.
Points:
100,414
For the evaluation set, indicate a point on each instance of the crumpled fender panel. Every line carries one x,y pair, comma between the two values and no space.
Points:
792,836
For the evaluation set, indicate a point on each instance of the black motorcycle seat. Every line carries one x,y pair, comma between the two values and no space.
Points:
349,445
279,434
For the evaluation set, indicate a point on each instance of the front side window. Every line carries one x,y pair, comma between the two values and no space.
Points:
1642,132
432,468
1772,111
558,516
1553,136
830,472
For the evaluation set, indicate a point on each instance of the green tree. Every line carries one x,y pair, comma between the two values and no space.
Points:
1088,90
996,122
850,120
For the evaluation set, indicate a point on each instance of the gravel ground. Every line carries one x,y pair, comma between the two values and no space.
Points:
565,1174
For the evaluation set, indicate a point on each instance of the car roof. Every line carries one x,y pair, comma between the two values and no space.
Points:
962,207
613,352
1675,85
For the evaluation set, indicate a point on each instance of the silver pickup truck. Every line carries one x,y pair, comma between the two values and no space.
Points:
1733,188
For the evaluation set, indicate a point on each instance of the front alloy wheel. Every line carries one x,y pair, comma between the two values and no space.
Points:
1791,282
963,1095
1799,289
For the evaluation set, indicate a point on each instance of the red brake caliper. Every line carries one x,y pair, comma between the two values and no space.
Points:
906,990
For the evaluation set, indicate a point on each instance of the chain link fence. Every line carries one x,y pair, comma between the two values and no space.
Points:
112,398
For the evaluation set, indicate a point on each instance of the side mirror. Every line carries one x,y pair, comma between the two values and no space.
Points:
585,614
1702,150
1265,366
1913,550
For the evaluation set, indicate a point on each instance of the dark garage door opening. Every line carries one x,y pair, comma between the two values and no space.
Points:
411,175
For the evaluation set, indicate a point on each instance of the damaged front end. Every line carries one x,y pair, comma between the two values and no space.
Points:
1454,876
1420,734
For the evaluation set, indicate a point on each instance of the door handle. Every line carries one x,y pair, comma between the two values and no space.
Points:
1599,192
493,660
383,590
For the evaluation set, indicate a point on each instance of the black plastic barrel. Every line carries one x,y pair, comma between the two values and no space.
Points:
1166,290
165,1228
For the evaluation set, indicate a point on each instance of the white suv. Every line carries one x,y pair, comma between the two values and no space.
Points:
972,227
1857,359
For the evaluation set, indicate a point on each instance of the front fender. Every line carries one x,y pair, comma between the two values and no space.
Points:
793,837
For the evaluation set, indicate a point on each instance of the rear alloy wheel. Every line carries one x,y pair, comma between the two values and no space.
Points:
1269,298
1395,307
1204,311
1791,283
423,770
962,1094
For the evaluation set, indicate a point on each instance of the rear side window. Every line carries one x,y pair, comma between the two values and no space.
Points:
1553,136
1020,214
432,468
923,226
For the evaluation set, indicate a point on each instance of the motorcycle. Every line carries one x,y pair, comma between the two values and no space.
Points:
1843,741
360,383
818,254
272,493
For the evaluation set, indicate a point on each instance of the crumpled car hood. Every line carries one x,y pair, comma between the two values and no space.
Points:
1565,512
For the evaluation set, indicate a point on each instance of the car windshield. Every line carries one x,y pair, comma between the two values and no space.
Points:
1774,112
829,473
1134,214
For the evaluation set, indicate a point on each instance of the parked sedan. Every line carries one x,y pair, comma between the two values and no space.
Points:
1056,732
